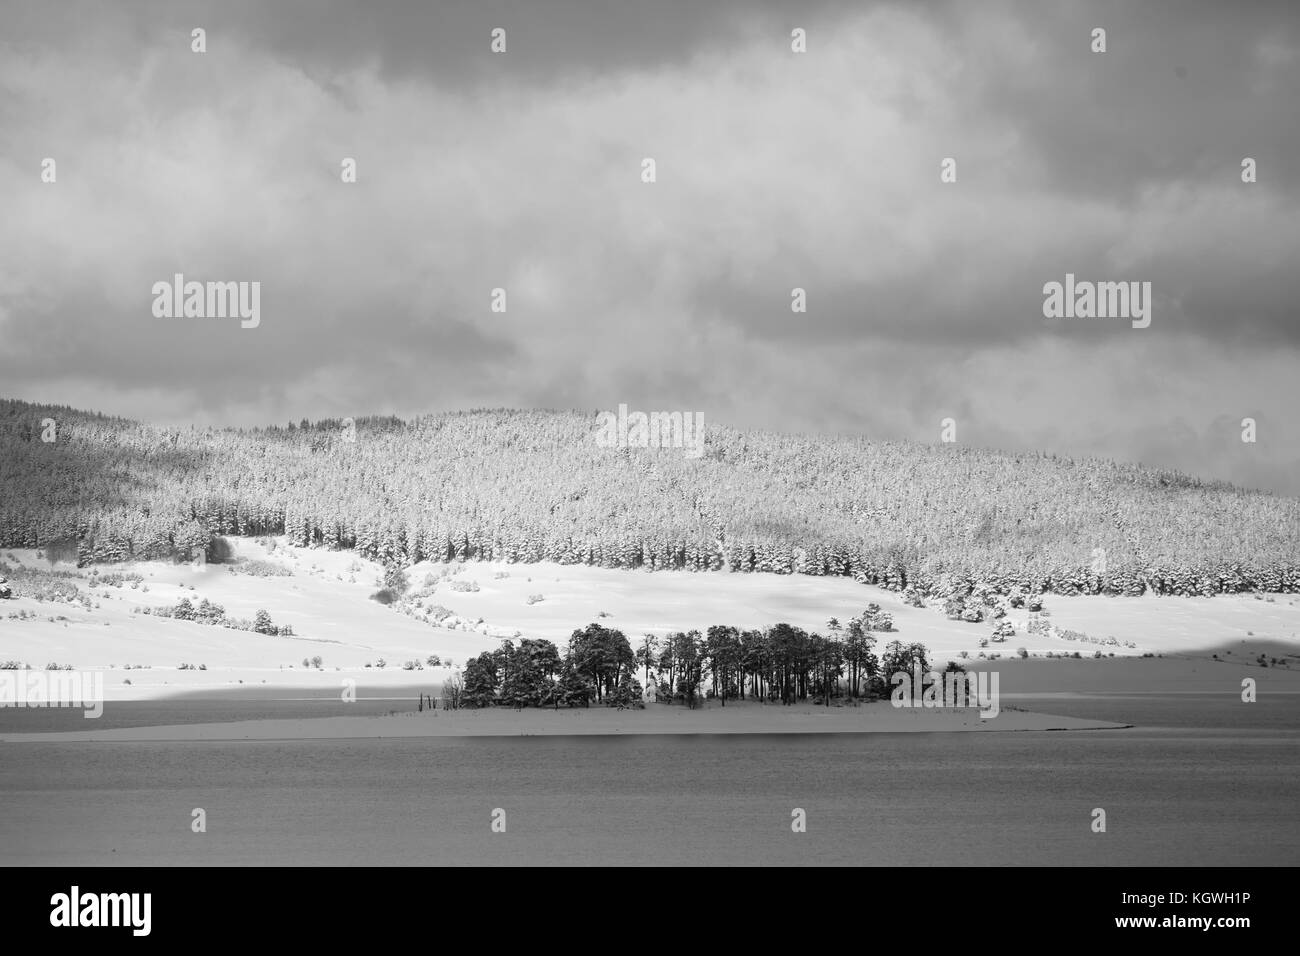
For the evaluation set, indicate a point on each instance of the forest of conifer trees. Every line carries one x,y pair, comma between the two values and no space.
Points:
525,486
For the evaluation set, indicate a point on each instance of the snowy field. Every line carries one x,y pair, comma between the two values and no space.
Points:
326,600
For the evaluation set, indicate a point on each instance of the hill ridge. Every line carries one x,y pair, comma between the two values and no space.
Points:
530,485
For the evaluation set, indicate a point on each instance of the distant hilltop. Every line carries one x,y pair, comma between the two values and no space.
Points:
539,485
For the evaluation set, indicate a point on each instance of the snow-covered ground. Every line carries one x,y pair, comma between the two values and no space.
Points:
327,602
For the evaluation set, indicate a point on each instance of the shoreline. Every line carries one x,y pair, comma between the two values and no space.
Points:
737,719
1033,677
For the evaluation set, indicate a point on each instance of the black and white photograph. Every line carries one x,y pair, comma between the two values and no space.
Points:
651,433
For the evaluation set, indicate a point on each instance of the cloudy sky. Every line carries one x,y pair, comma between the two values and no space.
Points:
775,170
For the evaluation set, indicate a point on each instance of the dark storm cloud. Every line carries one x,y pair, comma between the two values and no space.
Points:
440,40
776,171
1183,92
213,355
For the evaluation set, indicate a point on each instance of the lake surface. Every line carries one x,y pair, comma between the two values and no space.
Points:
1205,780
